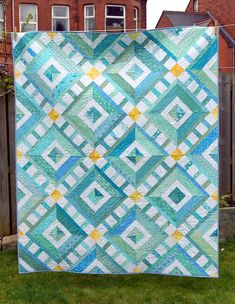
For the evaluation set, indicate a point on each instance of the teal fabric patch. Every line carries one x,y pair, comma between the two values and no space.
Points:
117,152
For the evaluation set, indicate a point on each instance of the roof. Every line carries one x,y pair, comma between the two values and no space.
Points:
186,18
222,10
178,18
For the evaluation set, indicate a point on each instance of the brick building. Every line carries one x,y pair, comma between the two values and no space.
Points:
204,13
74,15
70,15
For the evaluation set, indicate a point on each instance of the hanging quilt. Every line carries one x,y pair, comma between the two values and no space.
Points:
117,152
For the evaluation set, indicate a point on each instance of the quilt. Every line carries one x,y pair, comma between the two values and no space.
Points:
117,151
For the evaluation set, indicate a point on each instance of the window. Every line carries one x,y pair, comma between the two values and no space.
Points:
196,5
89,21
60,18
2,23
136,18
115,18
28,18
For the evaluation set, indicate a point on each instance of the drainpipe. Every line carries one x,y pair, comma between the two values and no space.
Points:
233,59
13,14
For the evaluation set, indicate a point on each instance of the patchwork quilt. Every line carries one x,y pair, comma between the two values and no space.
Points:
117,152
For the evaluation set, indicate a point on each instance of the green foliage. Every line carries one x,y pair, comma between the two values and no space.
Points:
6,82
226,200
27,20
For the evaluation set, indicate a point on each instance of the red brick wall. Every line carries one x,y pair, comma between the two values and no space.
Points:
224,12
100,12
225,56
164,22
76,16
5,48
143,14
77,12
190,6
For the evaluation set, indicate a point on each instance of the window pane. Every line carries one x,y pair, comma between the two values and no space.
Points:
90,24
28,27
135,13
115,11
1,11
60,25
26,10
89,11
1,28
196,6
114,24
60,11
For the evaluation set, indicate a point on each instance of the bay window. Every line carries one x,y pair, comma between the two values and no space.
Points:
89,15
28,17
115,18
60,18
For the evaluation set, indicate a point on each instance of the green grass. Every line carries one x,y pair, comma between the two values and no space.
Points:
50,288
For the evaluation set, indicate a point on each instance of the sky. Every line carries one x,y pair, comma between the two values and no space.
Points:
155,8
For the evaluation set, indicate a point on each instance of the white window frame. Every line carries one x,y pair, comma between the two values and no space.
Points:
3,21
136,18
115,17
2,5
196,6
30,22
88,17
58,17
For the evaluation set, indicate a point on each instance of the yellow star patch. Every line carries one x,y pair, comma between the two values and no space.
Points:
177,235
94,156
19,154
177,70
53,115
214,112
52,35
133,36
215,196
136,270
95,235
56,195
93,73
136,196
134,114
58,268
17,74
20,234
177,154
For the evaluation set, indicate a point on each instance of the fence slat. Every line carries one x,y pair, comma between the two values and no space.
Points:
4,182
225,133
233,134
12,159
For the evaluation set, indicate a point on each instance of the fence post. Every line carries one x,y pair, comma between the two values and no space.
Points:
5,228
225,134
12,159
233,134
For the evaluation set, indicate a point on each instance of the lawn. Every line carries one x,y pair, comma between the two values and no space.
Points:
52,288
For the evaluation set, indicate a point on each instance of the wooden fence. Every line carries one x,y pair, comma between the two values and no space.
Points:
227,134
7,166
7,151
